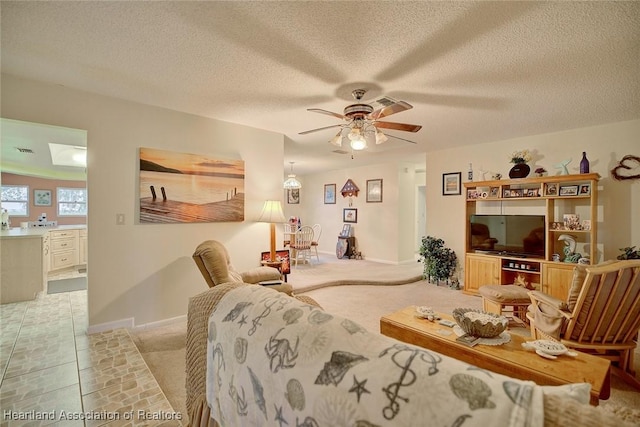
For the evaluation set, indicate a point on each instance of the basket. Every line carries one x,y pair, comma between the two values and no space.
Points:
479,323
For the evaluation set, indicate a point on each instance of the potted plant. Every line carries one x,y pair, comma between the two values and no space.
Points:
439,261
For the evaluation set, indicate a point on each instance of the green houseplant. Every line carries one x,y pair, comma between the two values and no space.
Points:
439,261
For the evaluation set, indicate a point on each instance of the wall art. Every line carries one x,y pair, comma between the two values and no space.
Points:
329,194
42,197
374,191
451,184
186,188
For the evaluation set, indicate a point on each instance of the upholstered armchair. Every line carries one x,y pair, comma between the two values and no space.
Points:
214,263
601,315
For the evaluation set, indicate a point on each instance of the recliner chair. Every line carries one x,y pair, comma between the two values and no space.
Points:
214,263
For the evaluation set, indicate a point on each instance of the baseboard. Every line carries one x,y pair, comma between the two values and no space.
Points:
165,322
109,326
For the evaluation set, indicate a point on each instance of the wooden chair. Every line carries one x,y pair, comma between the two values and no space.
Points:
317,231
289,231
301,244
604,318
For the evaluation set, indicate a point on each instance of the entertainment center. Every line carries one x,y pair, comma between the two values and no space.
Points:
522,230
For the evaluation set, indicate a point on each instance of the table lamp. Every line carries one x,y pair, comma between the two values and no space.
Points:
272,213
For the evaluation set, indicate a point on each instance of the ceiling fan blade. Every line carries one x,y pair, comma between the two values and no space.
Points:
318,129
397,137
329,113
397,126
397,107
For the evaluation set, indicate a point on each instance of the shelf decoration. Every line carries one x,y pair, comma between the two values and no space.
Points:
520,168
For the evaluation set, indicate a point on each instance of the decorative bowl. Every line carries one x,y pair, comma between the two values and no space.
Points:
479,323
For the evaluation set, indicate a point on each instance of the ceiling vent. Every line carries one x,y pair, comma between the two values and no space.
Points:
383,101
25,150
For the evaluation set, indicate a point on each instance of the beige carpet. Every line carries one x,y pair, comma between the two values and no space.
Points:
163,348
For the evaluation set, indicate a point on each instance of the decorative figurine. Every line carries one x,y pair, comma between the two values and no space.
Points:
563,166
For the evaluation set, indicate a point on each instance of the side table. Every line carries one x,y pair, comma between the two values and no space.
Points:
274,264
344,247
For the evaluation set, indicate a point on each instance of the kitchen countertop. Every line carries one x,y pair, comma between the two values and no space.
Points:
36,232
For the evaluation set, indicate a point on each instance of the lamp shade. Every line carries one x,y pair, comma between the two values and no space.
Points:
292,183
272,212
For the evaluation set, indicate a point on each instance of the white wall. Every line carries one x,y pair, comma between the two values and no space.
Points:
385,232
146,272
605,145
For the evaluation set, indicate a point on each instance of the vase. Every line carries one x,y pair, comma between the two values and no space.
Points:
584,163
519,170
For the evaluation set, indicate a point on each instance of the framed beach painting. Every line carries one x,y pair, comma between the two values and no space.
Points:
185,188
451,184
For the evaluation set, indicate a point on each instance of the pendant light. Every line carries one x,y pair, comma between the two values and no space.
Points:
292,183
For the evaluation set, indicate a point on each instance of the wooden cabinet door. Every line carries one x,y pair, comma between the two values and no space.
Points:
480,271
556,279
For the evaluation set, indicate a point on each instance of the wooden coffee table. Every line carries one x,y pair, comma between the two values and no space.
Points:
508,359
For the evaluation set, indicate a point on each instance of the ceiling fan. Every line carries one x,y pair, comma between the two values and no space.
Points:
362,121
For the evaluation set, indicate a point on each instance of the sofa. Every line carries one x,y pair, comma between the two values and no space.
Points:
255,356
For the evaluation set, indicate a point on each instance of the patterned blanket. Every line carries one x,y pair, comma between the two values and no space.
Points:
275,361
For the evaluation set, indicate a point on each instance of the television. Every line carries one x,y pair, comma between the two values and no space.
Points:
511,235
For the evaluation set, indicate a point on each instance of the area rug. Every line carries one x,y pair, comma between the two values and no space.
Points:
66,285
331,271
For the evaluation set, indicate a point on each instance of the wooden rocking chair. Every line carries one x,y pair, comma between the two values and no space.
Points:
604,319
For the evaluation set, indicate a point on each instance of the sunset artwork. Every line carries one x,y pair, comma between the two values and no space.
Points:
181,187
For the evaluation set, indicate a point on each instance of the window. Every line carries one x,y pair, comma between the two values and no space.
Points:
72,201
15,199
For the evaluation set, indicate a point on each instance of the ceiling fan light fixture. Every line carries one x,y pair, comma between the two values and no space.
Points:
337,140
292,183
359,143
380,137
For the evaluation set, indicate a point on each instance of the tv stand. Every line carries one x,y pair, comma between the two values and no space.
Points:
563,199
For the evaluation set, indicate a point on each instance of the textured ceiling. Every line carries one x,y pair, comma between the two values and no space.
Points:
474,71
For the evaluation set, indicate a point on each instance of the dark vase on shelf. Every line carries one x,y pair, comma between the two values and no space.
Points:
584,163
519,170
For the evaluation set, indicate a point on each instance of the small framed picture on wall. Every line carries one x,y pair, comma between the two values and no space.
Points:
42,197
451,184
350,215
374,191
293,196
329,194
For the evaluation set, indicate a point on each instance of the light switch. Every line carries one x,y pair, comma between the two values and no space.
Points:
120,219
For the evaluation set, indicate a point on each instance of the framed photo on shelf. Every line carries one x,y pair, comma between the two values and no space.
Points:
472,193
350,215
329,194
569,190
42,197
585,189
557,225
494,192
551,189
293,196
346,230
374,191
586,224
451,184
532,192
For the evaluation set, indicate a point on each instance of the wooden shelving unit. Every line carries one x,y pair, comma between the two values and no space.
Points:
575,196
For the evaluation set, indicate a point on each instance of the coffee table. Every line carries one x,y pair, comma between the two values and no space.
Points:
509,359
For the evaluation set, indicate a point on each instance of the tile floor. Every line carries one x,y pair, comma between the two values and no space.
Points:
53,373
